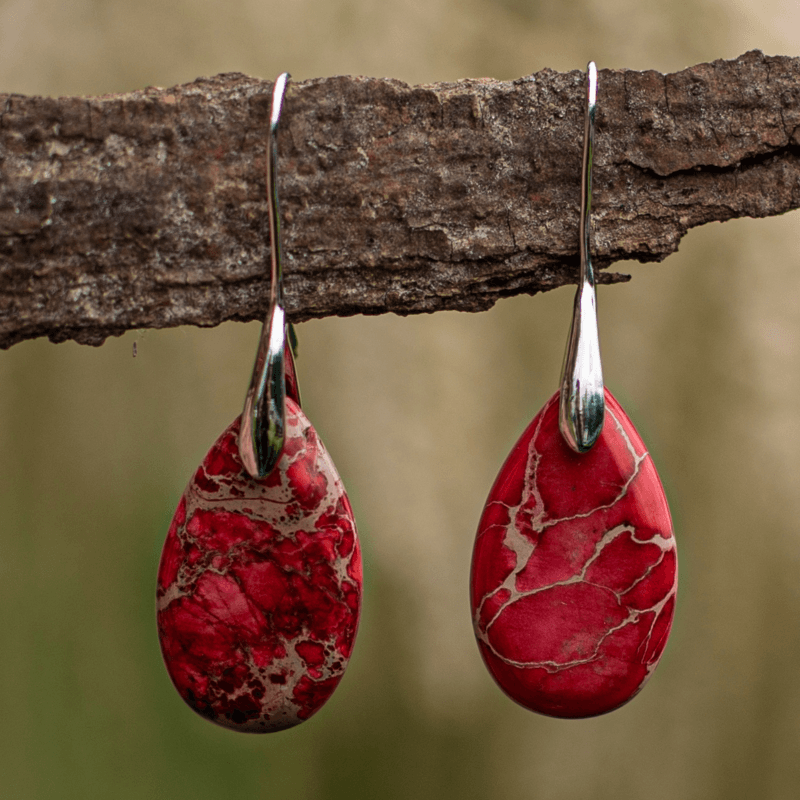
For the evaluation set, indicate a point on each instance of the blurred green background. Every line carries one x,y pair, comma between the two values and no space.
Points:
96,447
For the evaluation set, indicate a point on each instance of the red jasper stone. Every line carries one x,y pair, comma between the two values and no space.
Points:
259,586
574,570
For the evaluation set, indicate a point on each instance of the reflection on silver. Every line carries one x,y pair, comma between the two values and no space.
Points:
582,402
263,421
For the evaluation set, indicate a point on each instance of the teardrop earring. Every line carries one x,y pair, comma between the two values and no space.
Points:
259,585
574,569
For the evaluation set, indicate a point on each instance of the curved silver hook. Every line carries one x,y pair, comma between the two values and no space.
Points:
263,421
582,400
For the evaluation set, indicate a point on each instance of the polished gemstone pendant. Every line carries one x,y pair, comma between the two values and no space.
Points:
259,585
574,569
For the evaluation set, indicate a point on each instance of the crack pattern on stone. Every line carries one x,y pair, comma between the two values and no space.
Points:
259,585
574,570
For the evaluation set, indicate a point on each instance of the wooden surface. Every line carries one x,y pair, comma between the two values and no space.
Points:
148,209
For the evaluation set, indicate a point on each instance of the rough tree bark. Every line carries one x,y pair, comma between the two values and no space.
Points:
148,209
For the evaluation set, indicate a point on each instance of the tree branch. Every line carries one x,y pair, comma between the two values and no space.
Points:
148,209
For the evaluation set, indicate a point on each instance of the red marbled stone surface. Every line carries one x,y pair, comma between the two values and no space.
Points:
574,570
259,586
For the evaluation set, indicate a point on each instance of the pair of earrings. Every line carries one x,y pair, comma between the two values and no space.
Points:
573,572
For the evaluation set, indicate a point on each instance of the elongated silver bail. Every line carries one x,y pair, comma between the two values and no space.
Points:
582,400
263,422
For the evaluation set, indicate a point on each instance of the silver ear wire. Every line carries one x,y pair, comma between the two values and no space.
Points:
582,400
263,421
